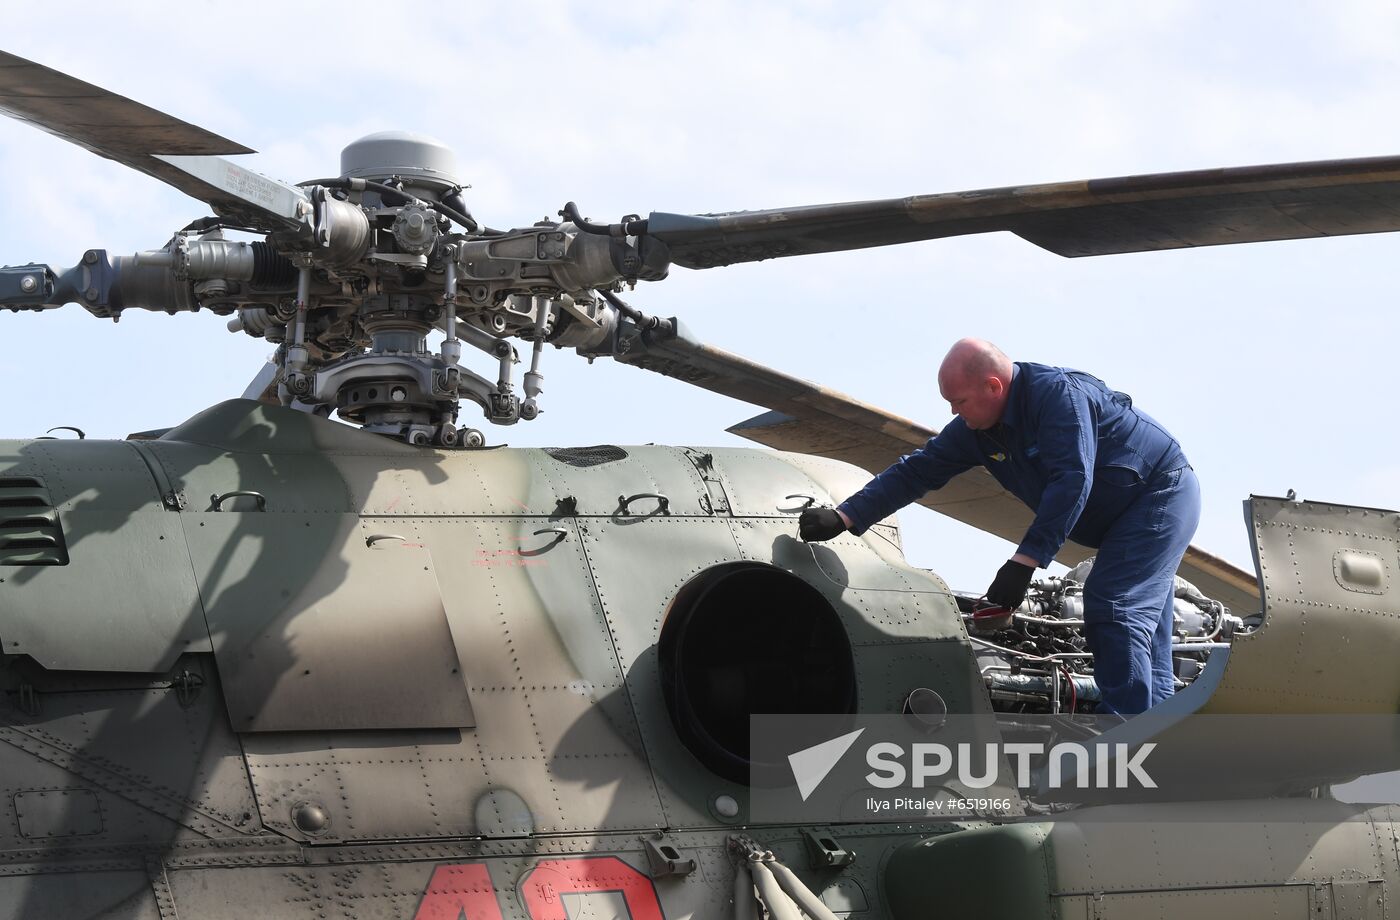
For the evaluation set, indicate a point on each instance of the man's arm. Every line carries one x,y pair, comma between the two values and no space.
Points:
930,467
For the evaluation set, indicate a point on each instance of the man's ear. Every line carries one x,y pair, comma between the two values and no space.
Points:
995,386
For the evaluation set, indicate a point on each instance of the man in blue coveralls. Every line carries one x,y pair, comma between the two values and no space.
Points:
1093,468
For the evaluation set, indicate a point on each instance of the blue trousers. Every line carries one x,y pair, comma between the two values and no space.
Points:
1129,591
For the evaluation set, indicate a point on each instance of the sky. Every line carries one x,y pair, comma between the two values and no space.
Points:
1268,361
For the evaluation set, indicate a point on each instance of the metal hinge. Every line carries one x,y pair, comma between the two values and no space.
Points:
28,699
716,499
187,685
826,852
171,496
1320,900
663,858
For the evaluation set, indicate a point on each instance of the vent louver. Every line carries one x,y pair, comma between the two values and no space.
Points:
587,456
30,532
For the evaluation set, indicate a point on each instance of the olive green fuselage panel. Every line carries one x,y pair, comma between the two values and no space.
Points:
475,630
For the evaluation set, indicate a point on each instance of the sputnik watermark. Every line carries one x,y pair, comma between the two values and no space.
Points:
923,764
893,768
1113,766
852,768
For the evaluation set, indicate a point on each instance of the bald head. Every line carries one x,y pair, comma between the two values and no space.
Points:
975,359
975,378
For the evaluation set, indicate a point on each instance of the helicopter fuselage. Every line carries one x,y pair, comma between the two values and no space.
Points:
266,662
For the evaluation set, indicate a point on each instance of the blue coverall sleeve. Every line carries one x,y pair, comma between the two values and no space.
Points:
1067,440
930,467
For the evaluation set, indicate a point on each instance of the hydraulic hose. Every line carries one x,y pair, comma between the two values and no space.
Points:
745,901
800,893
630,226
780,906
404,197
777,888
643,321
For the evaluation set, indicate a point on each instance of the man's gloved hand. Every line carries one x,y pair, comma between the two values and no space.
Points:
818,524
1009,587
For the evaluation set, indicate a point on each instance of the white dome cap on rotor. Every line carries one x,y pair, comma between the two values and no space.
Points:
416,158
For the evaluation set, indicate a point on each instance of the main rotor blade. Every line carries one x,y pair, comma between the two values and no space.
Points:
1208,207
811,419
138,136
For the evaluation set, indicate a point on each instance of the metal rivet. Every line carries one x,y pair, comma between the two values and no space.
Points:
28,284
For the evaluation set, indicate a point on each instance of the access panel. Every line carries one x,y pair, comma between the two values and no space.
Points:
319,624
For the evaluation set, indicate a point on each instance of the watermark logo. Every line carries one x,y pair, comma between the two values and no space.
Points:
917,766
812,765
899,768
827,769
1102,766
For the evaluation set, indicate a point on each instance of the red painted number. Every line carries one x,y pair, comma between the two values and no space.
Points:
460,891
546,884
464,891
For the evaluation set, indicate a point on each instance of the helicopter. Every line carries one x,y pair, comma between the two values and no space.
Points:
264,661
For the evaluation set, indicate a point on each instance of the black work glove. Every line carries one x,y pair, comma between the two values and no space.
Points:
818,524
1009,587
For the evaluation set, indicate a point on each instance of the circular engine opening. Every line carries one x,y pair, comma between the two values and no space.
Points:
743,639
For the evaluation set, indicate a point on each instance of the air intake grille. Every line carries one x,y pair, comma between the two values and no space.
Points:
587,456
30,532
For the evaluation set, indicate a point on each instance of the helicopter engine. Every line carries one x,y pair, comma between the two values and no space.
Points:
1037,659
